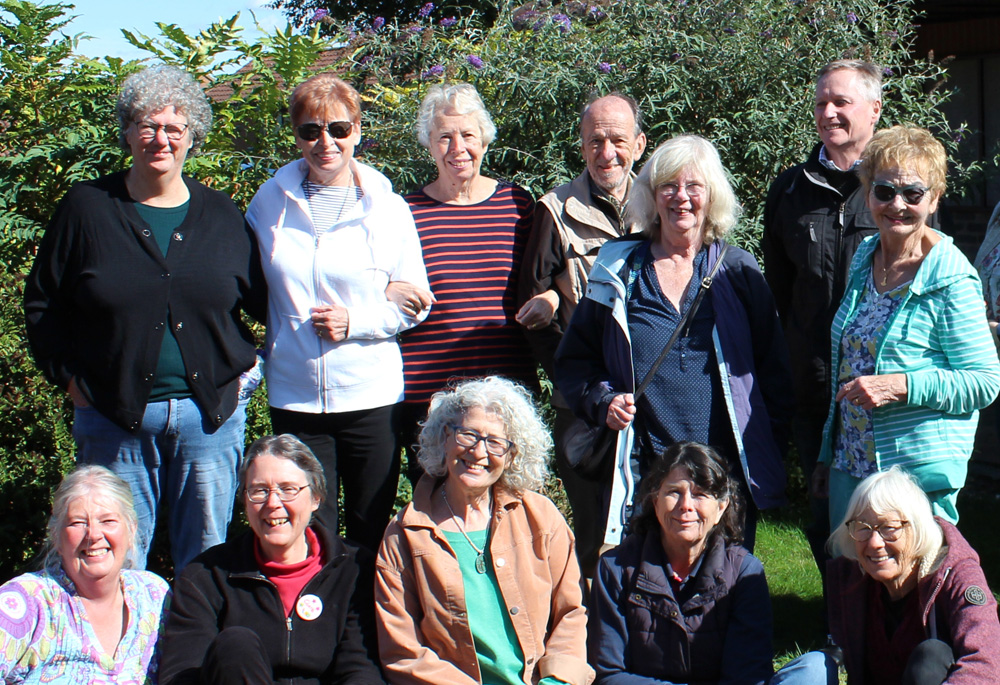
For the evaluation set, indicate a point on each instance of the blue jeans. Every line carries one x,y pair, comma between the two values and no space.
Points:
176,456
812,668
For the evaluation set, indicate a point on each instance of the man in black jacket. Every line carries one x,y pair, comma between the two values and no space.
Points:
815,217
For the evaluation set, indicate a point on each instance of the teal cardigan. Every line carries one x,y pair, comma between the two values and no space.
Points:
939,338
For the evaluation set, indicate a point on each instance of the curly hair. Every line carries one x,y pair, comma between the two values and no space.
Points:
504,399
907,148
709,471
460,97
666,163
289,447
154,88
100,483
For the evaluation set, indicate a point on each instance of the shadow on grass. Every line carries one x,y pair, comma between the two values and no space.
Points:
798,624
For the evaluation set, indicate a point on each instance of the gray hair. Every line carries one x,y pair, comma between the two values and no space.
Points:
98,482
666,164
869,76
891,492
460,97
288,447
627,99
150,90
509,402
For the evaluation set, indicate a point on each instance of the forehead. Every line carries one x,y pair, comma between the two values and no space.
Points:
842,82
448,120
91,505
321,113
268,468
608,115
482,418
168,114
911,174
874,518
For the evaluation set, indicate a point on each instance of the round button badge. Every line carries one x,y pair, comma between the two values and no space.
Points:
309,607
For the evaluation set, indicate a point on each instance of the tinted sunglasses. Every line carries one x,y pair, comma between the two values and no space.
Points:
336,129
885,192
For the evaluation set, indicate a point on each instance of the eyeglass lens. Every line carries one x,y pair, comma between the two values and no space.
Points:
885,192
148,130
336,129
888,531
286,493
469,439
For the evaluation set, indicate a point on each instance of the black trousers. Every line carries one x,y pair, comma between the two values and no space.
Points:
585,497
360,454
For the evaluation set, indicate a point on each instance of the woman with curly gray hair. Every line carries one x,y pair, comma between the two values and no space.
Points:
477,579
134,307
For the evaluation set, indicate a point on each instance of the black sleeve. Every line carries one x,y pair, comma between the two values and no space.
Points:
580,372
357,649
192,625
543,261
779,270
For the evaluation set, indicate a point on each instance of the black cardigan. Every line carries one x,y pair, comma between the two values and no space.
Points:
223,588
101,293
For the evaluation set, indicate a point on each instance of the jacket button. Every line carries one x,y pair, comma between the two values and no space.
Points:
165,274
178,237
194,376
179,325
149,376
218,418
501,562
673,614
513,611
157,326
146,232
637,597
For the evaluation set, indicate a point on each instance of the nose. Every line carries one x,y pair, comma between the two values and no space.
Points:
876,541
457,145
685,501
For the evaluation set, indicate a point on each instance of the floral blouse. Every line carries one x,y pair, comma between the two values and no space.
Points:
45,636
854,446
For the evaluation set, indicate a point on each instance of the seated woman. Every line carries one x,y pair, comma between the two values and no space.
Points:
680,600
289,601
86,617
908,600
477,580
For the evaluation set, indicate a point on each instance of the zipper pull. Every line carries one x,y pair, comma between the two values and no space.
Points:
288,622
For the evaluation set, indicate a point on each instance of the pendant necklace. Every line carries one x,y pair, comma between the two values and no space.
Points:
480,553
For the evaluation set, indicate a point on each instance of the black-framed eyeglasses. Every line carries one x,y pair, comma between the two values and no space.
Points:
888,531
286,493
147,130
336,129
468,438
885,192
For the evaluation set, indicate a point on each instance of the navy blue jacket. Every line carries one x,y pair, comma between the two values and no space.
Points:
638,633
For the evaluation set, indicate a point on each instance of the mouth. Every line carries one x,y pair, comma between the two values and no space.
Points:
96,553
879,560
275,522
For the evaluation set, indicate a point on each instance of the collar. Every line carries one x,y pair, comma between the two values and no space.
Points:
827,163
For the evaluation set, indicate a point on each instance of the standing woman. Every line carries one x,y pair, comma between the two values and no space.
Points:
332,237
134,306
725,381
913,357
473,230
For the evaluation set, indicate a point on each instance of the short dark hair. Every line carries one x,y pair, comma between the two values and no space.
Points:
289,447
709,471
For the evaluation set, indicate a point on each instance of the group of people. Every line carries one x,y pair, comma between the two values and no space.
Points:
421,319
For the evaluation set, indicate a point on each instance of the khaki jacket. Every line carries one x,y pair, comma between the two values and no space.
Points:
423,629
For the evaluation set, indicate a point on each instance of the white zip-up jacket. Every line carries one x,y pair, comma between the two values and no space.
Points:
349,265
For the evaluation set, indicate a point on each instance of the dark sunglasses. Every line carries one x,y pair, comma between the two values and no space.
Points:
885,192
336,129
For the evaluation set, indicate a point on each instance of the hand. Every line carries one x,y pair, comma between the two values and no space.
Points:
993,328
869,392
75,394
539,310
621,411
330,322
410,299
820,485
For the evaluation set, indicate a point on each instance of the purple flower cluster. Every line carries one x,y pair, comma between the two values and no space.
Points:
475,61
415,29
433,72
893,35
852,18
562,21
729,30
448,21
318,15
426,10
595,13
378,23
887,71
604,67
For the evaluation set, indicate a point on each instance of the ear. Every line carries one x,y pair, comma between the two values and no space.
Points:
877,109
640,146
933,206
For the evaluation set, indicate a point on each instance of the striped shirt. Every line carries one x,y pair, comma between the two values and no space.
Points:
472,254
329,204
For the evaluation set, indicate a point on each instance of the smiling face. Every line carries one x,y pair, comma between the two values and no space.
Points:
94,542
610,144
845,120
280,526
682,204
896,219
159,156
890,563
472,468
329,158
687,514
457,147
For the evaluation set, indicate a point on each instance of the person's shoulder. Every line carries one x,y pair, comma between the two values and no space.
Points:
152,583
517,194
102,188
217,201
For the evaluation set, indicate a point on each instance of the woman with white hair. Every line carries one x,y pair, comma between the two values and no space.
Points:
473,231
724,382
908,600
86,617
477,580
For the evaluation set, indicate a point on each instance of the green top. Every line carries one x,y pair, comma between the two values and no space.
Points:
171,380
501,661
